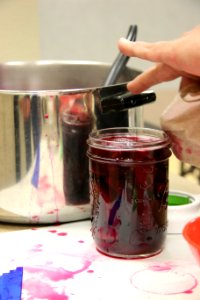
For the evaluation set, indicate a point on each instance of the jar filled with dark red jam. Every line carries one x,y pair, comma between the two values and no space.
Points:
129,189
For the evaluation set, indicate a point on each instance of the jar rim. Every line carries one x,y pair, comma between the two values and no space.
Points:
155,138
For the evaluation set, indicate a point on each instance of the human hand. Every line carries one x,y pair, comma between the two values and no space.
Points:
175,58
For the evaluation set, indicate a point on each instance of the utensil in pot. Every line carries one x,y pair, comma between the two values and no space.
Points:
117,118
121,60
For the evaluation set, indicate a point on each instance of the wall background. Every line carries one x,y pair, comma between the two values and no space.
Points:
19,30
88,29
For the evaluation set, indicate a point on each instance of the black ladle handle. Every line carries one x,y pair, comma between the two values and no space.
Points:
121,60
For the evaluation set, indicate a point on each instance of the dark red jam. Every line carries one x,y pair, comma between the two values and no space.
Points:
76,125
129,190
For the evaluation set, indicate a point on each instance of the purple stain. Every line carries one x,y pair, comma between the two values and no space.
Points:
11,284
35,177
113,210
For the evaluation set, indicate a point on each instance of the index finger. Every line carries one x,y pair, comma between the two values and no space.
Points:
152,76
155,52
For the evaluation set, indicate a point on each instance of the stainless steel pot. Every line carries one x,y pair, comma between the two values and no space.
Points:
47,109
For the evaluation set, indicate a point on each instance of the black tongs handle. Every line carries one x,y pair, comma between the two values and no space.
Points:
124,101
121,60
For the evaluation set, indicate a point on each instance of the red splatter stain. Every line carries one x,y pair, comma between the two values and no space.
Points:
62,233
188,292
51,212
35,218
188,150
90,271
159,268
52,231
46,116
57,223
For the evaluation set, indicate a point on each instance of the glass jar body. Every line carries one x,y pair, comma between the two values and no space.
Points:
129,189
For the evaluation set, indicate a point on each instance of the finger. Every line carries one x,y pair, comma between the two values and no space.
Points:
155,52
156,74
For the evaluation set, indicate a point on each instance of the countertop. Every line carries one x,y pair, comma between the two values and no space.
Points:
61,262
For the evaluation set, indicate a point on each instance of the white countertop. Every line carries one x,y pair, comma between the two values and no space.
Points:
63,260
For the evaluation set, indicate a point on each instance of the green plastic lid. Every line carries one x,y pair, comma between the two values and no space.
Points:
176,199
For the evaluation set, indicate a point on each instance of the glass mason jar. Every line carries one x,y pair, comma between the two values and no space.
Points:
129,189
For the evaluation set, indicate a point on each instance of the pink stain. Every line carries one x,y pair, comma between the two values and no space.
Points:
39,289
188,150
54,211
160,268
37,248
90,271
81,241
62,233
47,193
52,231
44,184
45,288
35,219
183,282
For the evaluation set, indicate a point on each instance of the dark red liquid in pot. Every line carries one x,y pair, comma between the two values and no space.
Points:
129,194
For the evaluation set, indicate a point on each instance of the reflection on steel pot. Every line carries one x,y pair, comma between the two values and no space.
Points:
47,110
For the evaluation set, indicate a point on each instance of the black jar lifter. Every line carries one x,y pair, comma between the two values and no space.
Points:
116,98
124,99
